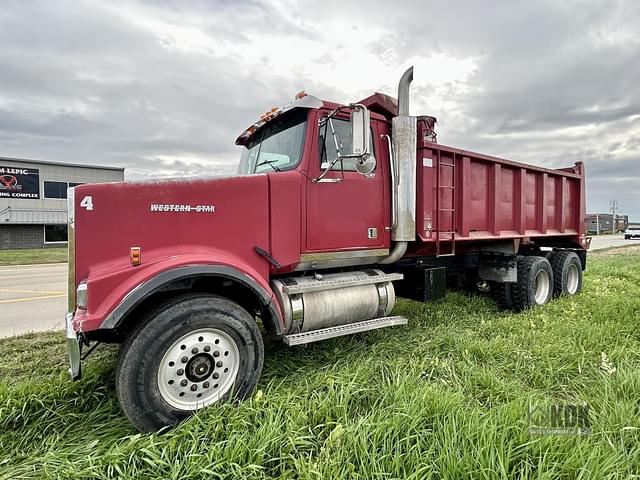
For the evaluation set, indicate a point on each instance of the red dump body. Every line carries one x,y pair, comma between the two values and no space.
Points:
473,197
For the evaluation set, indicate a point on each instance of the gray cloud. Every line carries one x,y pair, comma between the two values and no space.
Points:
163,88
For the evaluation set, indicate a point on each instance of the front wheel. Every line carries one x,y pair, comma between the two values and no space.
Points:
195,351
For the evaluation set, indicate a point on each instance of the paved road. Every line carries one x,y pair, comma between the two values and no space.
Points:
599,242
32,298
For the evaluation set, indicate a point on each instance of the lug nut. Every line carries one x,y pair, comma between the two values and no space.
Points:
205,384
194,350
194,388
216,353
207,348
183,383
184,359
215,375
218,363
180,371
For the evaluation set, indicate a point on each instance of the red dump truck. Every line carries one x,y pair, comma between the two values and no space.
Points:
335,211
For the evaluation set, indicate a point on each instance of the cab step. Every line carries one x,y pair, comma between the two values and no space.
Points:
339,331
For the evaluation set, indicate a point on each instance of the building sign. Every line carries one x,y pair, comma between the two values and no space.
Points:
16,182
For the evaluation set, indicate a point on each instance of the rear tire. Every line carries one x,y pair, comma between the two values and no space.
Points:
502,295
567,273
195,351
535,283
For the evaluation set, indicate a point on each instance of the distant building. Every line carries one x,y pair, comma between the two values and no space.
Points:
33,199
603,223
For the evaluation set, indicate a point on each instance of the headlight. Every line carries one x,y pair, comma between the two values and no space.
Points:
81,296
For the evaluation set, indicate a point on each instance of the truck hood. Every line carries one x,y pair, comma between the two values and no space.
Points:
173,221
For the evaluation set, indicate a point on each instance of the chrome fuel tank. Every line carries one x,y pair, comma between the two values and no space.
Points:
328,300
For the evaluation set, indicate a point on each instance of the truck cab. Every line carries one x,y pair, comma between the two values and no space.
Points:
335,210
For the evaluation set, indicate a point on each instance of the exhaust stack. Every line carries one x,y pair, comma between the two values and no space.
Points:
405,144
403,192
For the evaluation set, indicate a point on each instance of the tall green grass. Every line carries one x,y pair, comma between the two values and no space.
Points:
445,397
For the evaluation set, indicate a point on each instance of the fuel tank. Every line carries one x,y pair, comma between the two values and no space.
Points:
328,300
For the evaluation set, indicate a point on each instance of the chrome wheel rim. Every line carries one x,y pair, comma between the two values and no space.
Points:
198,369
573,279
542,284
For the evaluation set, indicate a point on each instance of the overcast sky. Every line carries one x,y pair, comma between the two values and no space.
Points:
163,88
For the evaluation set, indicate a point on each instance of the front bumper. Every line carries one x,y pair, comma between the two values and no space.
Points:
74,346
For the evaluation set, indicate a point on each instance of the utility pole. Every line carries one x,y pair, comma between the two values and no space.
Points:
613,208
597,224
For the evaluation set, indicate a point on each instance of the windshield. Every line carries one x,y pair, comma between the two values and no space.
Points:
275,147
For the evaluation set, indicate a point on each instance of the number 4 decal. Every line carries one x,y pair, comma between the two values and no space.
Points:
87,202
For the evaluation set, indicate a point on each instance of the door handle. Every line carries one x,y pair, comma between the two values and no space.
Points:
328,180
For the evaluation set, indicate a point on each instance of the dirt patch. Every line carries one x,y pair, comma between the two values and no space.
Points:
610,252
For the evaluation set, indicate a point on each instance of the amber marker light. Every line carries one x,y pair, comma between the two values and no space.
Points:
135,256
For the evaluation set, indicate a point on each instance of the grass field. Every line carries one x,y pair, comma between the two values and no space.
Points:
30,256
446,397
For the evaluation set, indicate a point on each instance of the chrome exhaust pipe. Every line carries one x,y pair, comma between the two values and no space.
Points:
405,144
403,92
404,134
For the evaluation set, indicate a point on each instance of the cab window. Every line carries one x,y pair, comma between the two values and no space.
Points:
277,146
327,145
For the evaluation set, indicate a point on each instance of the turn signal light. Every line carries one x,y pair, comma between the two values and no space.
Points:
135,256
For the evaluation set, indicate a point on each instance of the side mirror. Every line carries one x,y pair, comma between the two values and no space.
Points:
360,141
366,165
360,131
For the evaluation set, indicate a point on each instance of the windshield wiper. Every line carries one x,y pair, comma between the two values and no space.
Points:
271,164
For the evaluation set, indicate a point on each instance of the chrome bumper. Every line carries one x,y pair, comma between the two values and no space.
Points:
74,346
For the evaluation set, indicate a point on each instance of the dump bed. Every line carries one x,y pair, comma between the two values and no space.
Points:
470,197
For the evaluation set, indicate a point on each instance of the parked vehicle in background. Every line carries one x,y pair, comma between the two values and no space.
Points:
632,232
335,211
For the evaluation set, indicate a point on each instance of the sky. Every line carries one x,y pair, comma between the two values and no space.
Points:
163,88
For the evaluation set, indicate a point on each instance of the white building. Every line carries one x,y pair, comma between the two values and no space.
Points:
33,199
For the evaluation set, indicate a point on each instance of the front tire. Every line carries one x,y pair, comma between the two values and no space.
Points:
194,351
535,283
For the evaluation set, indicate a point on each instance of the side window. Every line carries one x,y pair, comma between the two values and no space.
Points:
55,189
327,145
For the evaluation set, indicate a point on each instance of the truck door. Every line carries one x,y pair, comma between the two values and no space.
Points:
346,210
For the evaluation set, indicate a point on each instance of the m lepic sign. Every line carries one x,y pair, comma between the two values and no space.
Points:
16,182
